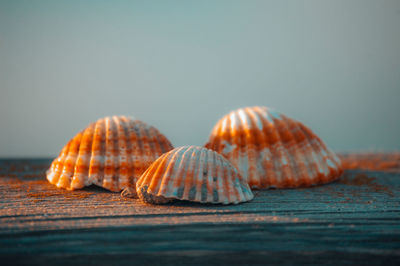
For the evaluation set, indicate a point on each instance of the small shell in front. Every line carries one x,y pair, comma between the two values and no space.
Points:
111,153
194,174
272,150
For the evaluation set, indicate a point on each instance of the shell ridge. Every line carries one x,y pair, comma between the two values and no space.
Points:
316,152
293,151
217,191
265,113
187,181
138,150
190,180
333,169
307,149
139,153
206,189
221,178
102,154
187,169
290,151
182,169
240,142
54,172
151,171
271,177
80,179
257,140
275,153
236,193
154,184
256,122
69,163
323,174
150,141
109,154
226,179
96,167
233,194
297,147
201,174
102,159
180,153
131,179
272,150
147,145
264,157
244,190
245,147
89,152
235,139
117,156
268,174
248,193
208,176
144,142
331,159
314,160
338,162
330,165
171,170
282,155
122,155
285,175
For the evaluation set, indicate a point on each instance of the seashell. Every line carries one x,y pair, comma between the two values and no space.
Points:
111,153
195,174
273,150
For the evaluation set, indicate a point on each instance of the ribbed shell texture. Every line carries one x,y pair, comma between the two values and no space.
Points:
273,150
194,174
111,153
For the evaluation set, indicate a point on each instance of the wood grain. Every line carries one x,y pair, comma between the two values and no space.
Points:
353,221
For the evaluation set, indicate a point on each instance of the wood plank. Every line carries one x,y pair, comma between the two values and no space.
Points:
349,221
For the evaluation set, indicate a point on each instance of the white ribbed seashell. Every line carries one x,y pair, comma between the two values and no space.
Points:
112,153
271,150
194,174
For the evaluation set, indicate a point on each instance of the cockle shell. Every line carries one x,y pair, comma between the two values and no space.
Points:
273,150
112,153
195,174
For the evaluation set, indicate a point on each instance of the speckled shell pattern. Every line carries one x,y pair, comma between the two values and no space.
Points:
111,153
272,150
195,174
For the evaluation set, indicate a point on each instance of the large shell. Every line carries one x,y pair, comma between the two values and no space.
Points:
195,174
272,150
112,153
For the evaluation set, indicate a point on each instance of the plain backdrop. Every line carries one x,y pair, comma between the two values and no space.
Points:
182,65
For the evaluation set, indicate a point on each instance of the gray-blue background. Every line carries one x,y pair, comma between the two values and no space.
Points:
181,65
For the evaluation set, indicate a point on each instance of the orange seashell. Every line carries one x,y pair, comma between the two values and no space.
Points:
111,153
195,174
272,150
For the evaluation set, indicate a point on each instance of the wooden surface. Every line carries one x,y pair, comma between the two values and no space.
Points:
353,221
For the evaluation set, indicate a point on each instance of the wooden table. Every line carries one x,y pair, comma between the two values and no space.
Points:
353,221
